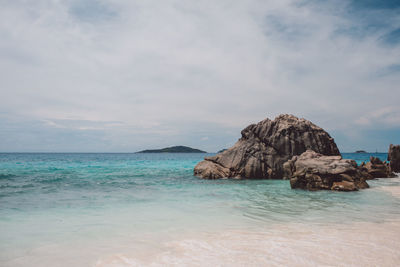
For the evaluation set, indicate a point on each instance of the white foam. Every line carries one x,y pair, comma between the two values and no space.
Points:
393,185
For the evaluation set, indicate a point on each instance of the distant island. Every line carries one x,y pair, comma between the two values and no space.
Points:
222,150
173,149
361,151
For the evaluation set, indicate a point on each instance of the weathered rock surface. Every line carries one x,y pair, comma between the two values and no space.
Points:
344,186
314,171
377,169
394,157
264,147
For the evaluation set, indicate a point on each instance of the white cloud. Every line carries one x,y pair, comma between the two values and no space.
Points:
363,121
386,116
168,67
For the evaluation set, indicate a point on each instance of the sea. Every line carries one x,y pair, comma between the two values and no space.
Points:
72,209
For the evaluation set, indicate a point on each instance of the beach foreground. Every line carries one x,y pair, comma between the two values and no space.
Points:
291,244
357,244
148,210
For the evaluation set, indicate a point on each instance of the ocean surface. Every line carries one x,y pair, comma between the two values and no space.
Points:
149,210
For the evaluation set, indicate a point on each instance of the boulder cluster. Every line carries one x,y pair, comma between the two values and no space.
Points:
296,149
314,171
264,147
375,168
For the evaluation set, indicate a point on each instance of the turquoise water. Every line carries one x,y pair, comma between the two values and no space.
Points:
102,200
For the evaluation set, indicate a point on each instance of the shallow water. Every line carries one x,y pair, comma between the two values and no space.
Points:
148,209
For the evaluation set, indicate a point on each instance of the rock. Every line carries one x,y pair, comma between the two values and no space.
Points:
264,147
314,171
210,170
377,169
344,186
394,157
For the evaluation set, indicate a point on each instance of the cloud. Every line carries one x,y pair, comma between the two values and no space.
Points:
387,116
172,71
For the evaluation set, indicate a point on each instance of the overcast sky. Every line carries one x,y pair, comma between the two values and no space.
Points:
121,76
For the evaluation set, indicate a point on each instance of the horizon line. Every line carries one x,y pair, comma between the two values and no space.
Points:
138,152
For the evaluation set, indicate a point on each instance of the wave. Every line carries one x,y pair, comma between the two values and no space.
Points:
7,176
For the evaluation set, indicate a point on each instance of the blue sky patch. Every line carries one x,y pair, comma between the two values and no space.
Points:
92,10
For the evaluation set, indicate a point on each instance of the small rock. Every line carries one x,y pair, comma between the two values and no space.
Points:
344,186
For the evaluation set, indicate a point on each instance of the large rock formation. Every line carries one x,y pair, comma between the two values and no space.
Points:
394,157
314,171
375,168
264,147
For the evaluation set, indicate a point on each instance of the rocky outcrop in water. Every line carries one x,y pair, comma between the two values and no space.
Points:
377,169
314,171
394,157
264,147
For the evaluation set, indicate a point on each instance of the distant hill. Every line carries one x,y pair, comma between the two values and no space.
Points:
222,150
361,151
173,149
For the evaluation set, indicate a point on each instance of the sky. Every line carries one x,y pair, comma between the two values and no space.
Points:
122,76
